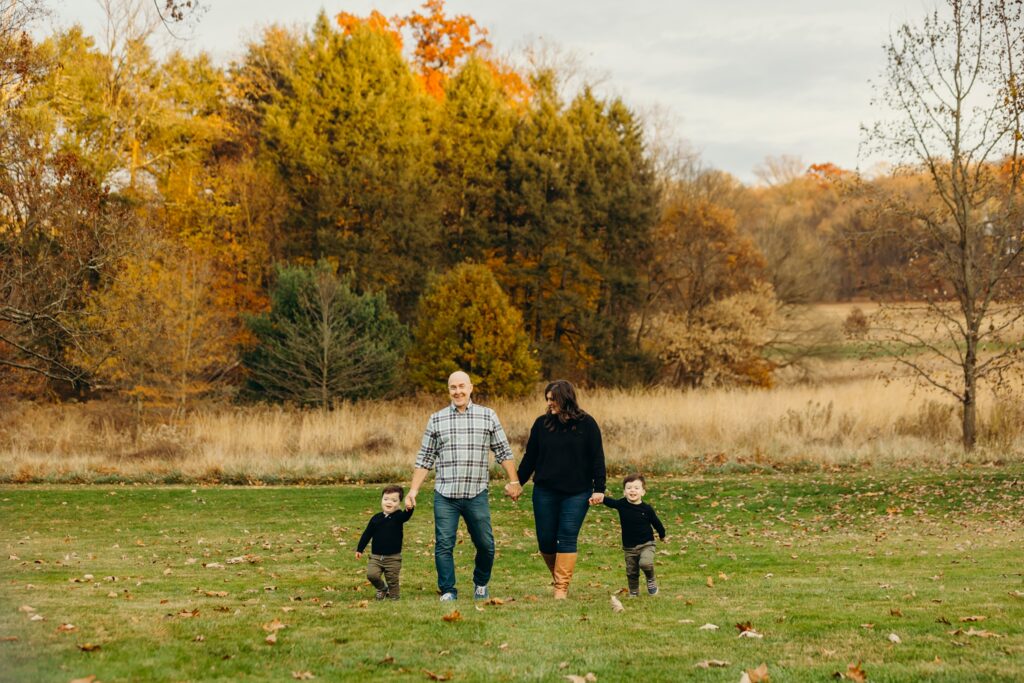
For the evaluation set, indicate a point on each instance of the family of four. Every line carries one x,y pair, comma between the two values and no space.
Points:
564,456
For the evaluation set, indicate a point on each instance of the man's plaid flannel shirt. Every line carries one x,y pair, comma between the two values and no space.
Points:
456,445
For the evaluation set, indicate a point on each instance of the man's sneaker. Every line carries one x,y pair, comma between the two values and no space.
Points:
381,595
481,593
448,597
652,587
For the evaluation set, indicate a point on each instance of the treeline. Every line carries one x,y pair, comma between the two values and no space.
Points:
357,209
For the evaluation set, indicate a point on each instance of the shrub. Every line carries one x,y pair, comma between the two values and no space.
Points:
466,322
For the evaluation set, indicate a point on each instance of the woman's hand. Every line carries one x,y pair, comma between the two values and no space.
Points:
596,498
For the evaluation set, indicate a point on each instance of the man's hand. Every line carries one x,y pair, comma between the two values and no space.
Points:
513,490
597,499
410,499
359,555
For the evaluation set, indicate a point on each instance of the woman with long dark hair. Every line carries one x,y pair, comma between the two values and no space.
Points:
565,457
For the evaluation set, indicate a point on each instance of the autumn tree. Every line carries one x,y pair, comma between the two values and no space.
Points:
953,96
348,135
321,342
466,322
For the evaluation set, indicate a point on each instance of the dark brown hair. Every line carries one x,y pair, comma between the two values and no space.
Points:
564,395
636,476
393,488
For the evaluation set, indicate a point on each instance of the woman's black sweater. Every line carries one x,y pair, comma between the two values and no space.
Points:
568,457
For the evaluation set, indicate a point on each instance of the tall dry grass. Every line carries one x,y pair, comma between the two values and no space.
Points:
861,422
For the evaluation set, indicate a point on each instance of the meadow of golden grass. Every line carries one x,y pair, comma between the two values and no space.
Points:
852,423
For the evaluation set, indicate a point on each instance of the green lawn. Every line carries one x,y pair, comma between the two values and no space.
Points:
825,566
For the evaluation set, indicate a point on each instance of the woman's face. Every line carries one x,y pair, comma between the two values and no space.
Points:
552,406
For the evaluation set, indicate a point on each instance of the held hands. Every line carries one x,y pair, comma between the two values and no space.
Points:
597,499
513,490
410,500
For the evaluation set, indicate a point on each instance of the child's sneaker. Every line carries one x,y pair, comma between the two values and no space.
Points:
634,594
380,595
652,587
481,593
448,597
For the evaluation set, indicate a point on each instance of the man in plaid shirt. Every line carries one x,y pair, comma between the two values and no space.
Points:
456,444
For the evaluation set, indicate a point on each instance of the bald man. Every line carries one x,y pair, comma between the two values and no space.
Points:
456,443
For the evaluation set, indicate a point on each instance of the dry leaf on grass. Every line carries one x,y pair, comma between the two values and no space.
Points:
36,617
750,634
271,639
275,625
9,639
894,639
977,633
975,618
215,594
711,664
454,615
88,679
588,678
187,614
710,582
494,601
708,627
616,604
446,676
758,675
66,628
88,647
303,675
26,609
198,639
853,673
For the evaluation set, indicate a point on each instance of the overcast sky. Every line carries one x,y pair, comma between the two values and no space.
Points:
739,79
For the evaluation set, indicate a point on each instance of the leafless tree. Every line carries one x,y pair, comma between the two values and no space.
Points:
953,100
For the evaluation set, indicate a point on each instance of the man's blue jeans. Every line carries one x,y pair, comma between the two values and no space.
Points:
477,513
558,518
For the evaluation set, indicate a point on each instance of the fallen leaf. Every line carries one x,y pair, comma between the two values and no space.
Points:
88,679
616,604
495,601
274,626
303,675
976,618
1017,594
758,675
503,646
213,565
9,639
896,612
750,634
744,626
186,614
199,639
26,609
711,664
942,620
36,617
215,594
722,576
88,647
454,615
853,673
710,582
447,676
867,625
588,678
895,639
271,639
66,628
708,627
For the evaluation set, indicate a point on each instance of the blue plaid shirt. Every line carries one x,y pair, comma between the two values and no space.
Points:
457,445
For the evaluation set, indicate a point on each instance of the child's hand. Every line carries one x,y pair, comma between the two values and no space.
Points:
596,499
359,555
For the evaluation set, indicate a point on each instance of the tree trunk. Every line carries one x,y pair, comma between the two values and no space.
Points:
970,402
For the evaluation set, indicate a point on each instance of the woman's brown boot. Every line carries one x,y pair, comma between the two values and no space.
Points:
549,560
565,564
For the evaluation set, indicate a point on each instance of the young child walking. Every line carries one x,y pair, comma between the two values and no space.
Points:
385,530
637,519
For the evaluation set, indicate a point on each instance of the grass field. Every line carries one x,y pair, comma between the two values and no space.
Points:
181,583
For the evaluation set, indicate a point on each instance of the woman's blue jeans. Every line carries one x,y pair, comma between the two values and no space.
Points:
477,513
558,518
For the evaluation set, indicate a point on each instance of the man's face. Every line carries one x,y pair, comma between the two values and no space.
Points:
460,389
389,502
634,491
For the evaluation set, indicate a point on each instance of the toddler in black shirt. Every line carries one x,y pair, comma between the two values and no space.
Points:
385,529
637,519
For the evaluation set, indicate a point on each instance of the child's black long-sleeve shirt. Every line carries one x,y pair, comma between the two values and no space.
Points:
386,532
636,521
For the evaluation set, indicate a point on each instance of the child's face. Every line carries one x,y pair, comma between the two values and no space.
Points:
389,502
634,491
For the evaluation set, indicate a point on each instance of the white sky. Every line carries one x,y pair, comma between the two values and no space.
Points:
739,79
